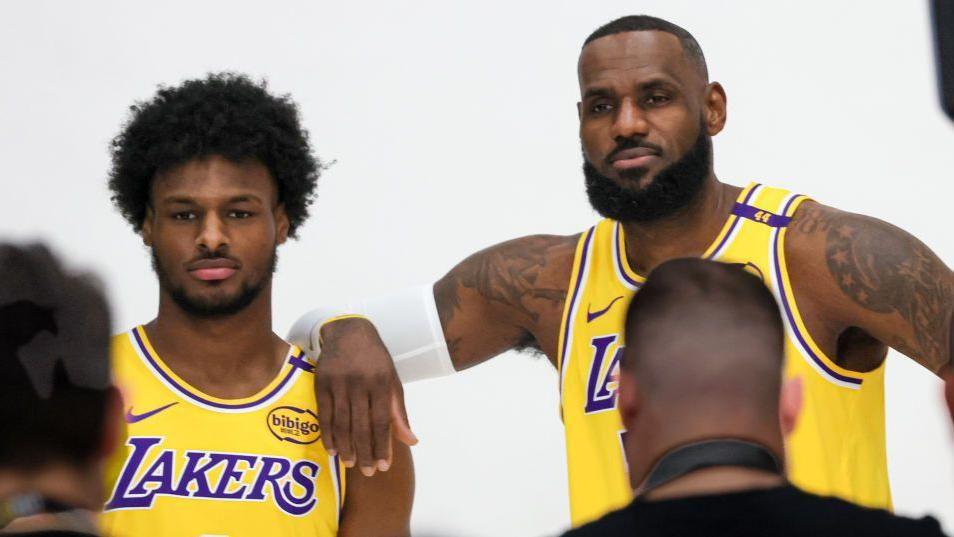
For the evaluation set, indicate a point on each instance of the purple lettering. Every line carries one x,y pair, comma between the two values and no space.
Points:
161,473
299,505
141,446
292,484
194,472
598,395
229,473
269,474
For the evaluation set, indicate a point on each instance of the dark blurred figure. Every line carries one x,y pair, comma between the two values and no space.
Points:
942,13
59,414
702,399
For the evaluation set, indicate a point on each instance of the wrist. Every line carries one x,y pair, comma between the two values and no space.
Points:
332,326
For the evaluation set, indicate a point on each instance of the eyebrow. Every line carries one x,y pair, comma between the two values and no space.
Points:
597,92
185,200
245,198
178,199
657,83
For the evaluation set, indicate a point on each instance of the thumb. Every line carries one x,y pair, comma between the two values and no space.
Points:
401,427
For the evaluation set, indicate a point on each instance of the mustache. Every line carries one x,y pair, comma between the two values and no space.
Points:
630,143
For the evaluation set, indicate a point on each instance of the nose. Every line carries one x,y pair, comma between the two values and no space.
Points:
630,122
213,235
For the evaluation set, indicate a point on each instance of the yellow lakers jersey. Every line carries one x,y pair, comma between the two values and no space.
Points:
838,446
195,465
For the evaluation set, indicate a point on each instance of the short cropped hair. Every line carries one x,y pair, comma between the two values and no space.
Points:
702,332
640,23
709,302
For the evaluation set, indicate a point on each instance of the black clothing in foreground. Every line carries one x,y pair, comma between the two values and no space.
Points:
775,512
50,533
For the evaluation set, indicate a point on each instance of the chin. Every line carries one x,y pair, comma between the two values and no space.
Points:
635,179
214,293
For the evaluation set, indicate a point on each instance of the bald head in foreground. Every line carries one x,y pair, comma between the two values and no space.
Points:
705,410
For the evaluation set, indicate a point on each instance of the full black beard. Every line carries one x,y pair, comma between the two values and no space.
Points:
213,308
671,190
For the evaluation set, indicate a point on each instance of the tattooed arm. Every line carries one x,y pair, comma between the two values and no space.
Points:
508,296
868,284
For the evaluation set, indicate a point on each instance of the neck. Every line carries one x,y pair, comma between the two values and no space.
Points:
230,357
717,480
648,443
688,233
63,483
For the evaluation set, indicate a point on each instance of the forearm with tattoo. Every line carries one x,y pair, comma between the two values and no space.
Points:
510,285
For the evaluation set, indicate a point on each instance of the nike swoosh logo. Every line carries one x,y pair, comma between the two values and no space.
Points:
590,316
133,418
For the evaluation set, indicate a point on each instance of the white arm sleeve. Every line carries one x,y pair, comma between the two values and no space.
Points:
407,322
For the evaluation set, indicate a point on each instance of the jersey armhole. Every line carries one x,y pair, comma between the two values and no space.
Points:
792,319
574,291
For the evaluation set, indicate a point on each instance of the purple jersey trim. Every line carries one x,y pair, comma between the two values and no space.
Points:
576,291
620,267
301,363
337,475
787,308
185,391
715,252
749,212
735,224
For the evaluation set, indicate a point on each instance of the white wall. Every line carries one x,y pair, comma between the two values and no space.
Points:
453,127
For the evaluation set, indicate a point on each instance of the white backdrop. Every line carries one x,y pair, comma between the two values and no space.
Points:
453,127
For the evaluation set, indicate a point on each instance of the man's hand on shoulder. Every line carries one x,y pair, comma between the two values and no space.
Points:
874,277
505,296
359,396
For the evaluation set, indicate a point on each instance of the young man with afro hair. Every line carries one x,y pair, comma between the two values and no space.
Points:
223,432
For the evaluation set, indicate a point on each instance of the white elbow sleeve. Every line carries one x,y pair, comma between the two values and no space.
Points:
408,324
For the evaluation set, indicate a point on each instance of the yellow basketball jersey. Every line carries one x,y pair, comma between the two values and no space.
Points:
195,465
838,446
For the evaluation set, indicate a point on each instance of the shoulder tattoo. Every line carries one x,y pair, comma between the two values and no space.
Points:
885,270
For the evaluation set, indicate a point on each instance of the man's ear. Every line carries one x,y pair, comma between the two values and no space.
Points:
715,108
790,404
146,232
629,398
281,224
579,110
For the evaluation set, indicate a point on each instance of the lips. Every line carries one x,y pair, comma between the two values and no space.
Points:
634,157
210,270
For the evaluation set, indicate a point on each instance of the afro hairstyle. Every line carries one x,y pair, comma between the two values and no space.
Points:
224,114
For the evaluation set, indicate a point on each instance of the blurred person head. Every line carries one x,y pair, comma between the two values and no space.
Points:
59,414
214,173
703,360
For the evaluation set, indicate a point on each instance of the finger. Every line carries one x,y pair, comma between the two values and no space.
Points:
326,415
381,426
402,427
342,425
361,430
